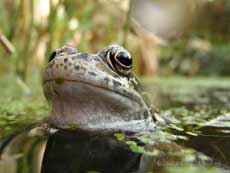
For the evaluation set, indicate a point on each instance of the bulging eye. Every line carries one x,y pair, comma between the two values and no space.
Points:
123,58
53,55
67,49
120,60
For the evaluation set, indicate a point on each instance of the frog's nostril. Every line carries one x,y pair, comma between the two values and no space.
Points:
65,60
76,67
92,73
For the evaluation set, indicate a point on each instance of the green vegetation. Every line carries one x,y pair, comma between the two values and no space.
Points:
18,108
190,98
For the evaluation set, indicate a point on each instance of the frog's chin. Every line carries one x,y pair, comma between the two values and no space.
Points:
89,107
132,126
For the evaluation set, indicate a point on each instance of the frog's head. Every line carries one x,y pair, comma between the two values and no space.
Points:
94,91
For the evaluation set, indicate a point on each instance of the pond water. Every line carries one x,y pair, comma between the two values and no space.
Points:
193,135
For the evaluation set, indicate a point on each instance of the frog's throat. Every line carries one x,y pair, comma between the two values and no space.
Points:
90,107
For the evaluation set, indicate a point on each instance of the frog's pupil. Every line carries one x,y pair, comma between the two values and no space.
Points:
124,58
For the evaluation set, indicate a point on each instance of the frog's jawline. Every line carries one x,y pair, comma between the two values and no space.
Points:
83,114
98,87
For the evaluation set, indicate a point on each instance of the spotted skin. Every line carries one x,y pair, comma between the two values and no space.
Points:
102,95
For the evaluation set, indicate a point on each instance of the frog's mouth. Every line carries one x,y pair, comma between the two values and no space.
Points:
87,105
61,86
89,78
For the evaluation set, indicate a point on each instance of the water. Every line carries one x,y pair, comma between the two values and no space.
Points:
193,136
198,110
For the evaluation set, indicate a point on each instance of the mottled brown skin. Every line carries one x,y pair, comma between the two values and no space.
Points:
85,92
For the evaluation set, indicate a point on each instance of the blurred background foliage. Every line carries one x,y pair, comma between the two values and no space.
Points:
36,28
165,37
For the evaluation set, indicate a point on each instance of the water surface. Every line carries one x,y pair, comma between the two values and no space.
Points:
193,134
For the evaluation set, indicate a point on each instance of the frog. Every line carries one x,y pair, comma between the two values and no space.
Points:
95,91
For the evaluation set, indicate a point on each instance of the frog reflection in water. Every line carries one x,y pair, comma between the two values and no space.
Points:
91,95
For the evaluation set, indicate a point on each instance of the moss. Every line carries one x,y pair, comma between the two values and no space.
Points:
59,81
19,110
73,126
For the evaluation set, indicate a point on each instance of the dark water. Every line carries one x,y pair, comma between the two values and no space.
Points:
193,136
84,152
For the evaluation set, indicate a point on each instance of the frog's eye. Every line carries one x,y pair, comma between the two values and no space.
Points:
120,60
67,49
53,55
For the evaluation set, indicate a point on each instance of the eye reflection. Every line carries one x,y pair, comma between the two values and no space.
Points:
119,60
123,58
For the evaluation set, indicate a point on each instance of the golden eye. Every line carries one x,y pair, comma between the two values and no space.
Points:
120,60
124,59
